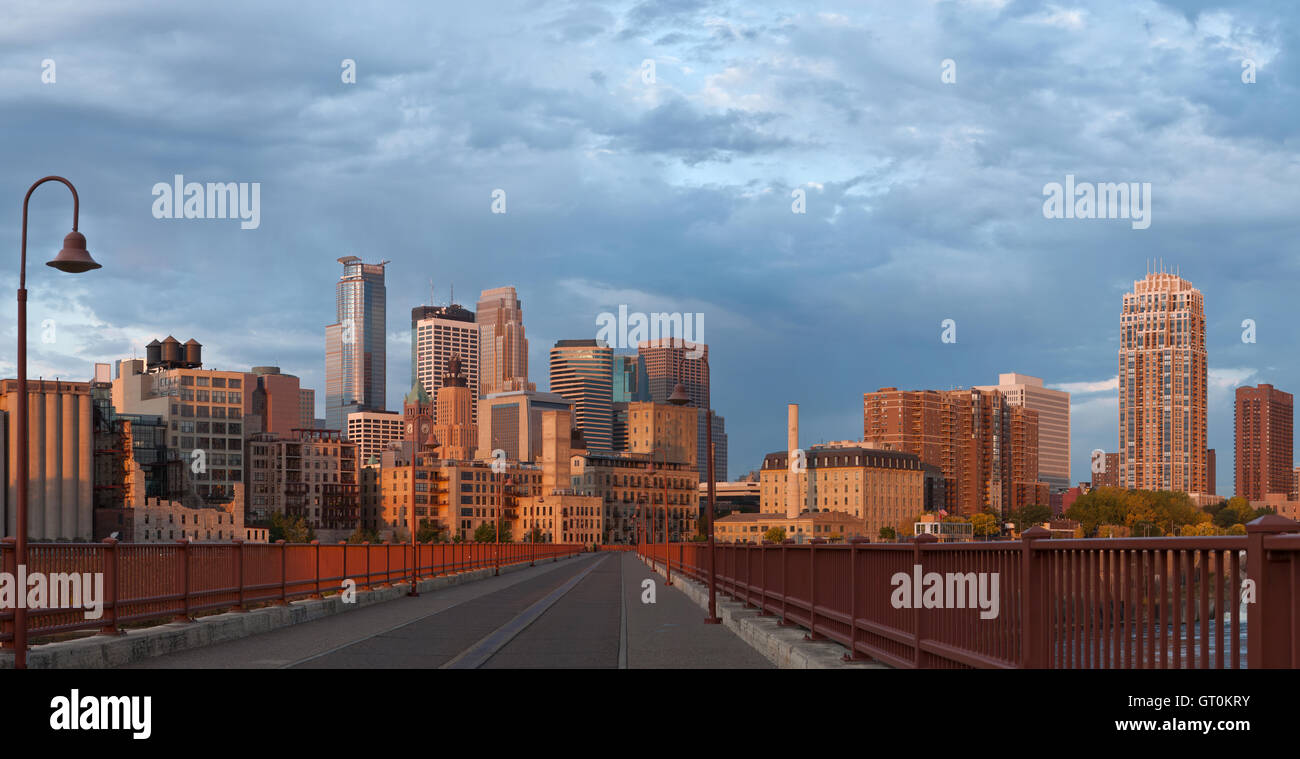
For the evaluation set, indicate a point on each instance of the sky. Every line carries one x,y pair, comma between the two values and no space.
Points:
650,155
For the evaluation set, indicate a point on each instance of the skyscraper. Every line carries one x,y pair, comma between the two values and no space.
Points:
664,363
1162,386
354,345
1053,407
503,349
583,372
1264,421
437,334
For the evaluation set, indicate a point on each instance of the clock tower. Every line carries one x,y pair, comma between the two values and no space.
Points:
418,410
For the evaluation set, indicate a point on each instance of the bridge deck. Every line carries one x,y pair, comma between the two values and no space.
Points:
580,613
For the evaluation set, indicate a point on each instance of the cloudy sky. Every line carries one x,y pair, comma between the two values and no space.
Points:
671,192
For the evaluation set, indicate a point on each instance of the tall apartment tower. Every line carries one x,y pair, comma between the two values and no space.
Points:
664,363
1264,422
354,345
624,392
1162,386
986,448
503,349
583,372
1053,407
437,334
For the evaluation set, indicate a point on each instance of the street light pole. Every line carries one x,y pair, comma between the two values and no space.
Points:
501,503
668,559
74,259
712,619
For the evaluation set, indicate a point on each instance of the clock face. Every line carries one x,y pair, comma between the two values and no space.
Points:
424,428
410,427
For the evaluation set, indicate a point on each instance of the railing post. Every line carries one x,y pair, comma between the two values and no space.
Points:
1270,635
918,627
239,573
785,582
854,654
9,564
184,552
110,589
284,573
345,577
1033,602
316,546
812,633
366,544
762,577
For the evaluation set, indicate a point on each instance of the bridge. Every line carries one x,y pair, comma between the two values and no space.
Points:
1130,603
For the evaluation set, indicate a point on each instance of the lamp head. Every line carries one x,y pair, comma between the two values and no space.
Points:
74,258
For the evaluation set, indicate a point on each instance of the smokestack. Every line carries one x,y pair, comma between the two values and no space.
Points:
792,476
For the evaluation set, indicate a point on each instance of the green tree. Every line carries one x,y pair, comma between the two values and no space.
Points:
289,529
534,535
985,524
361,535
1028,516
487,533
427,533
774,534
888,533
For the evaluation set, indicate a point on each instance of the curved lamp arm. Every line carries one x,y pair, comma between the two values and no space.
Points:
76,213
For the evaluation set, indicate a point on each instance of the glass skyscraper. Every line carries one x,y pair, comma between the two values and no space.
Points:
354,346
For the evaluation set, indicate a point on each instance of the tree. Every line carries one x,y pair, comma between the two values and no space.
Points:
774,534
487,533
1028,516
361,535
888,533
427,533
289,529
985,524
534,535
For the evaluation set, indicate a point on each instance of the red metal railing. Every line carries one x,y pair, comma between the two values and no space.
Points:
1177,603
146,581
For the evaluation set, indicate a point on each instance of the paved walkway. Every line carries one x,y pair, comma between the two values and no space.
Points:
581,613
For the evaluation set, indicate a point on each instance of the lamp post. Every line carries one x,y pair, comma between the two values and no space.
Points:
414,590
668,559
712,619
74,259
501,504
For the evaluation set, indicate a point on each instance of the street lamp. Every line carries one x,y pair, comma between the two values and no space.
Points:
74,259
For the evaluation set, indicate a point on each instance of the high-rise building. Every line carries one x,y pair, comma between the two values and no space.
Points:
278,402
512,422
205,411
454,431
354,346
662,365
437,334
1265,418
582,371
503,349
624,392
372,431
1053,407
1162,386
984,446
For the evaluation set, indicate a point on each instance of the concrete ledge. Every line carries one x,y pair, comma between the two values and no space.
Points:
106,651
785,647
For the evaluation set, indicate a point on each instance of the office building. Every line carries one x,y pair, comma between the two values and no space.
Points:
372,431
503,349
355,344
437,334
662,365
583,372
511,422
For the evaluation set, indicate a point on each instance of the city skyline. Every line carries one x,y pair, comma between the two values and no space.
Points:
691,179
